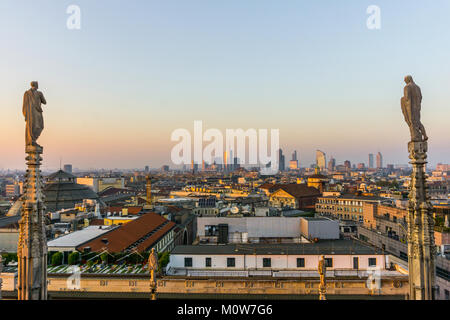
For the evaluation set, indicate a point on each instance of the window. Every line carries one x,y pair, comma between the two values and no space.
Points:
355,263
231,262
211,231
372,262
403,256
300,262
188,262
329,262
208,262
267,262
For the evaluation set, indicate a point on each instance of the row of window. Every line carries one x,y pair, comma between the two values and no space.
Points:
267,262
346,209
344,202
164,241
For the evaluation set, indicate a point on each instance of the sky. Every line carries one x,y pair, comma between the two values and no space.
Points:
137,70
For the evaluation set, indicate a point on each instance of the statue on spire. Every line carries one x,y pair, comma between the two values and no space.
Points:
32,111
411,105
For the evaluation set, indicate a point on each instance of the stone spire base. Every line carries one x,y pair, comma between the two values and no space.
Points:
32,246
421,246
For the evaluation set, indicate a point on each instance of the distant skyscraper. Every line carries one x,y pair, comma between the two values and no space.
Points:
321,160
236,163
147,169
294,155
281,161
331,164
379,160
227,160
347,164
68,168
194,167
370,160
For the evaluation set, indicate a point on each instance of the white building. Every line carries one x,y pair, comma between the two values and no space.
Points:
319,228
343,257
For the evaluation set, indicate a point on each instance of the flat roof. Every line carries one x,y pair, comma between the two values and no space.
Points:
6,221
326,247
122,217
316,219
79,237
175,199
354,197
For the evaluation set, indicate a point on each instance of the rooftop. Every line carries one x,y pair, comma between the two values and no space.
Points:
122,217
60,175
328,247
9,222
315,219
354,197
79,237
140,233
297,190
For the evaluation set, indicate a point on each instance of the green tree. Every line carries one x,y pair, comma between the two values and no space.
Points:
104,257
57,259
74,258
90,263
163,259
8,257
439,221
133,258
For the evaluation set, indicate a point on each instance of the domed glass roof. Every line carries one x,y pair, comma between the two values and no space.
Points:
62,192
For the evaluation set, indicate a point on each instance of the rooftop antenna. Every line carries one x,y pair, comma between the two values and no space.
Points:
60,162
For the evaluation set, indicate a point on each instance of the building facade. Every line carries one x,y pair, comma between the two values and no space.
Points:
344,207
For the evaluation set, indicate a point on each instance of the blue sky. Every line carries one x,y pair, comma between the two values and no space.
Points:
137,70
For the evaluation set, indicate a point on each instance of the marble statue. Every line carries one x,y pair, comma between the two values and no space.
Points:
32,111
153,261
153,267
322,269
411,104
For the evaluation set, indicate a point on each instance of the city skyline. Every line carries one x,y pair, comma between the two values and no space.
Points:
313,71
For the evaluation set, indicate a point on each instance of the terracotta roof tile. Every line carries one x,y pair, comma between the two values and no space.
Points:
298,190
131,233
96,222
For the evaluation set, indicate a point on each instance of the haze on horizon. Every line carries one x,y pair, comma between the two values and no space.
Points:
136,71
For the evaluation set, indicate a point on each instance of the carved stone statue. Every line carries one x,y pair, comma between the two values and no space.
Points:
32,111
153,261
411,104
153,267
322,269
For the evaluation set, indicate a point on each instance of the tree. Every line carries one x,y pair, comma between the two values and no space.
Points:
104,257
163,259
57,259
90,263
74,258
8,257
